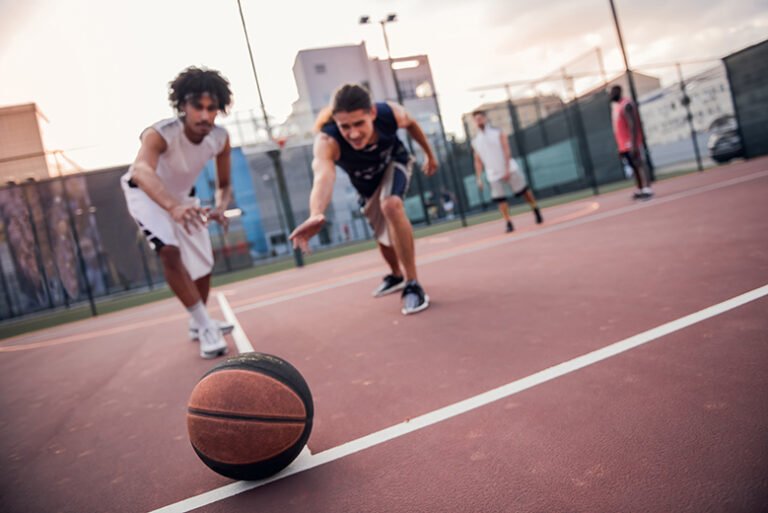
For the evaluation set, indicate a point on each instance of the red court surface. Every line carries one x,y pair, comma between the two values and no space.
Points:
590,364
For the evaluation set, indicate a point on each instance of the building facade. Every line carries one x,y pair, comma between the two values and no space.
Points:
319,72
22,153
665,117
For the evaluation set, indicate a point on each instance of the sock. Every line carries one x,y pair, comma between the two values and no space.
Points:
200,315
646,190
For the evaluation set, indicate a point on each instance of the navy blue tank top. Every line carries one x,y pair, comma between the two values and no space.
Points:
366,167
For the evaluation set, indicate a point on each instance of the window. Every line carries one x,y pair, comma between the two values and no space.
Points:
320,69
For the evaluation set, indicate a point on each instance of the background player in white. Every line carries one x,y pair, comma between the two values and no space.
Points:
159,190
492,153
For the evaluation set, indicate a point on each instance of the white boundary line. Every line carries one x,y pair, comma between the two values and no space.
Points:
241,339
490,244
307,462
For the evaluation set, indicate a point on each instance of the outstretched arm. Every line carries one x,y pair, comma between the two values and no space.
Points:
143,173
404,120
325,154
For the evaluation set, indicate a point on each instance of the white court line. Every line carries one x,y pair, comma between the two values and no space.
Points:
498,242
306,462
244,346
241,339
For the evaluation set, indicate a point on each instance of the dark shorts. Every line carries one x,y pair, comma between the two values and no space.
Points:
634,161
395,183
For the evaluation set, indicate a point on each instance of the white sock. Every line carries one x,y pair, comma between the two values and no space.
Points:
200,315
646,190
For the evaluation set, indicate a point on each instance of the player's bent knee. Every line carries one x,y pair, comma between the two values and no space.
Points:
392,207
170,256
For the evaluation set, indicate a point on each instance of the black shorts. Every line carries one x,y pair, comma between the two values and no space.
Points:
634,161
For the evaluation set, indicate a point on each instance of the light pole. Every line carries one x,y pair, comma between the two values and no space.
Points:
268,181
632,90
364,20
686,101
274,153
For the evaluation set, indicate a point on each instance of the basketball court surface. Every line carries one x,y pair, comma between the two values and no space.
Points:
612,359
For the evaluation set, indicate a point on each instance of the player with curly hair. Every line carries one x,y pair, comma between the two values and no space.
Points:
159,191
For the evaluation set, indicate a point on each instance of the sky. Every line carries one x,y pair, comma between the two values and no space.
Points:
99,71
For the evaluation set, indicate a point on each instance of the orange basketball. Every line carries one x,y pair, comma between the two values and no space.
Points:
250,416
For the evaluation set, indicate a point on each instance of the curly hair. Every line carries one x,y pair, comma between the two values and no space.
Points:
193,82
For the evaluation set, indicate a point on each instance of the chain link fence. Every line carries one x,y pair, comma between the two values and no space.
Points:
69,240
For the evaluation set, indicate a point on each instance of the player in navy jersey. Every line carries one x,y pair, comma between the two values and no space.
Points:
360,137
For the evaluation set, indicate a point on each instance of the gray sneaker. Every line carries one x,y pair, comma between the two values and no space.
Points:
212,343
414,298
224,327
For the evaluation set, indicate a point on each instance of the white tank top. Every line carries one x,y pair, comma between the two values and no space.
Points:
487,144
182,162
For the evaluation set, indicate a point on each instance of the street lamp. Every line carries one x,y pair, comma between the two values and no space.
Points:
364,20
274,153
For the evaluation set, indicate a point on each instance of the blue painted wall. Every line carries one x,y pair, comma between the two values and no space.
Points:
244,198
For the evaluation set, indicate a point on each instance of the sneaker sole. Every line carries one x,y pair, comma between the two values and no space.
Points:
209,355
399,286
421,307
194,337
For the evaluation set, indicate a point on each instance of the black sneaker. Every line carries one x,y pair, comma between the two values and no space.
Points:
537,214
510,228
389,284
414,298
643,195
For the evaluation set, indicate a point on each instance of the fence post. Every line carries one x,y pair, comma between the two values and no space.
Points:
468,139
686,101
519,141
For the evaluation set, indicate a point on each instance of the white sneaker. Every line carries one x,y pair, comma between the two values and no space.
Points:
212,343
224,327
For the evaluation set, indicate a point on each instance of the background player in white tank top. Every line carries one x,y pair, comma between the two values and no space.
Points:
158,189
492,153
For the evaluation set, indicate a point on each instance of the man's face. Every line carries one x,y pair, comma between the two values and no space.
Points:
199,114
356,126
479,121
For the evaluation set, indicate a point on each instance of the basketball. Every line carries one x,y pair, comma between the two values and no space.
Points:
250,416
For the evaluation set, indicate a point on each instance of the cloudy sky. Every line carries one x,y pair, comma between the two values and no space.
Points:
99,70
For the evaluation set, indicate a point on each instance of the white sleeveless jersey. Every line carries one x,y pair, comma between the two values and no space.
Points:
182,162
487,144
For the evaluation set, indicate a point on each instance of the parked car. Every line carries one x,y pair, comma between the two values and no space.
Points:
724,141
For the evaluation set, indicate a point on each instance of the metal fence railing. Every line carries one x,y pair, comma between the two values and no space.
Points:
69,240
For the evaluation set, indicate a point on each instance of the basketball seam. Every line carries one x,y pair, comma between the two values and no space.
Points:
254,418
289,375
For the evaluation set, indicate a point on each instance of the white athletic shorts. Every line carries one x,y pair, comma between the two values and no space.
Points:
516,181
160,230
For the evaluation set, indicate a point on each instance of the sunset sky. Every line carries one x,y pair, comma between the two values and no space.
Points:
99,70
